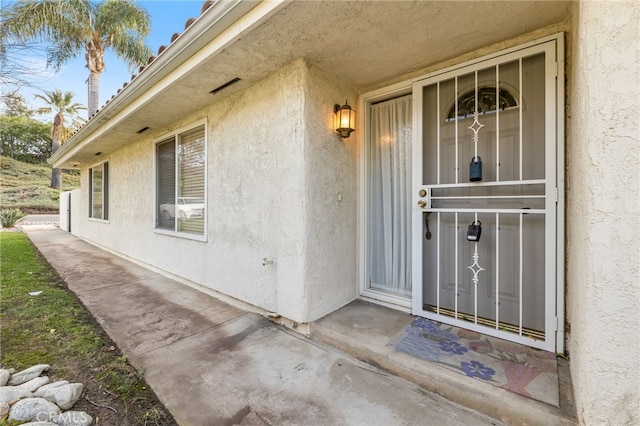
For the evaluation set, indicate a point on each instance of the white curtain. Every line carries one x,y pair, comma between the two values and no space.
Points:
390,196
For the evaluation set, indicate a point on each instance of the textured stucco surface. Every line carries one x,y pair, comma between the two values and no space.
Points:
331,175
273,190
603,247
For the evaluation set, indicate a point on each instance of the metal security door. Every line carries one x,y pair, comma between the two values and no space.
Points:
485,154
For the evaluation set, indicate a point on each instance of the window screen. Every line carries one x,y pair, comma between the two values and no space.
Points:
180,182
99,191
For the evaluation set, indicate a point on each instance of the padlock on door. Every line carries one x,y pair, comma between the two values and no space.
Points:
475,169
474,231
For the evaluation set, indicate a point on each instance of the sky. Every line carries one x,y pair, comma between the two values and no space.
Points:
167,17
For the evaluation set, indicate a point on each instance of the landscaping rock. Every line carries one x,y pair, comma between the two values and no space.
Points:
48,387
33,384
39,402
11,394
4,410
74,418
28,374
4,376
30,409
64,395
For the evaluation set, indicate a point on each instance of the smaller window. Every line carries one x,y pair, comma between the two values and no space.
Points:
99,191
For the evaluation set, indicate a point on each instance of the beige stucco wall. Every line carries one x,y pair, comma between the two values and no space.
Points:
603,203
275,172
331,176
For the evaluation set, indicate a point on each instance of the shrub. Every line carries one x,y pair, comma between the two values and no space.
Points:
9,217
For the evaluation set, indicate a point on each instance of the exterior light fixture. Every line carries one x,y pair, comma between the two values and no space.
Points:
344,120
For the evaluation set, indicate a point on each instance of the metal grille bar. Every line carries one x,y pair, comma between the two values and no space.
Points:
512,211
482,184
456,265
497,123
438,265
438,131
520,277
497,269
520,112
487,197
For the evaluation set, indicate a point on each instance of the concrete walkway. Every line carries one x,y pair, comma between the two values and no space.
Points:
35,222
213,364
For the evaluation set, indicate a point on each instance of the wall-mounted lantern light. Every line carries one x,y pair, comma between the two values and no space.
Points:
344,120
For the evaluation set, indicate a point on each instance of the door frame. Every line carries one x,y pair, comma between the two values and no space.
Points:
405,87
364,104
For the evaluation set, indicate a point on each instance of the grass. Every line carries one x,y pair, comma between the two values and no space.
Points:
26,186
54,328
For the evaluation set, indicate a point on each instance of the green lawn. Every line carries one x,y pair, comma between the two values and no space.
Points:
54,328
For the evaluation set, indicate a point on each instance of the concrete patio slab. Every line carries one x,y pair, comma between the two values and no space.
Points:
364,331
273,377
213,364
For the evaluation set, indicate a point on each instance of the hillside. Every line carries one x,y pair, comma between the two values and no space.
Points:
26,186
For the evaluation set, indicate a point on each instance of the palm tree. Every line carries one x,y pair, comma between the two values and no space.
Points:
71,27
66,111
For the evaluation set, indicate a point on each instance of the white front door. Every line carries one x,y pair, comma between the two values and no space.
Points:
485,153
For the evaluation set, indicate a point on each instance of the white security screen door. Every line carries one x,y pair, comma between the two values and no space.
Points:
485,154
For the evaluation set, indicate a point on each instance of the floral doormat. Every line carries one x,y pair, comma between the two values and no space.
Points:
518,368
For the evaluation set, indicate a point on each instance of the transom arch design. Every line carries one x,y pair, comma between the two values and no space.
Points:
489,98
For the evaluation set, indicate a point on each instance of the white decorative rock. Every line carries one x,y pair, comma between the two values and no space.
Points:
74,418
47,388
33,384
38,424
4,410
30,373
31,409
11,394
4,376
64,395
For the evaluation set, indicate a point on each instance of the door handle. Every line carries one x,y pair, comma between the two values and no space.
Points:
422,204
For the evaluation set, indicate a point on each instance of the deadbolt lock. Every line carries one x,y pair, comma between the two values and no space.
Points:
422,193
422,204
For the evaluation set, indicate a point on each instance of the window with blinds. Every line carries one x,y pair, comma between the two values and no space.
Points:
99,191
180,182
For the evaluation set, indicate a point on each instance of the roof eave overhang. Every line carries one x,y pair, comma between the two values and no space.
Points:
227,21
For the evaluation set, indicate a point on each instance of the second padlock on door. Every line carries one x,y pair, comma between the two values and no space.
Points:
475,169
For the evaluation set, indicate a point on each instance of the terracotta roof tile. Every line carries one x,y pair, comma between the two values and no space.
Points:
206,5
189,22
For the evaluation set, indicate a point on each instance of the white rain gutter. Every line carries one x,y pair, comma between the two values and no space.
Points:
211,32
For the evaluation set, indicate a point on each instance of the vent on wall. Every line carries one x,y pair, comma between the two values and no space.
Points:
225,85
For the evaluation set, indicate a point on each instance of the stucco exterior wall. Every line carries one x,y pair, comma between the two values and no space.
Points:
603,202
262,209
331,175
